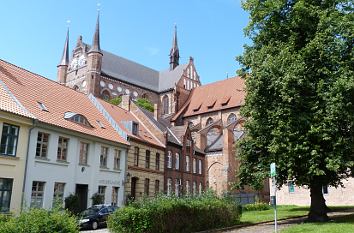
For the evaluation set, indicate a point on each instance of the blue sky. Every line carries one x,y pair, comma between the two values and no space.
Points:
33,32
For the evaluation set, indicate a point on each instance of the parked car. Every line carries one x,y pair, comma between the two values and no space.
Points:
96,216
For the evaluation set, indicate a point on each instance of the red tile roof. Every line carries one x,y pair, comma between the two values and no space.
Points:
228,93
30,88
119,114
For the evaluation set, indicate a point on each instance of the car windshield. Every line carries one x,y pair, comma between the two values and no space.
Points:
89,212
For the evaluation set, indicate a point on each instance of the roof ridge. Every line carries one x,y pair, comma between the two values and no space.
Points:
219,81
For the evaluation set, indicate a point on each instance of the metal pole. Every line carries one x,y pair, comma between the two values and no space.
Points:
275,218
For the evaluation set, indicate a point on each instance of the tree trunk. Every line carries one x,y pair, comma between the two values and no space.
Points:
318,209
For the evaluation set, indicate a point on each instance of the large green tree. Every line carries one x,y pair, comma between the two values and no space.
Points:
299,73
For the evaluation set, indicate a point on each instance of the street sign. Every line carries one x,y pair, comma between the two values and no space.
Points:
273,172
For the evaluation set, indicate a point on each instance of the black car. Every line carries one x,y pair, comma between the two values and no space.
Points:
95,216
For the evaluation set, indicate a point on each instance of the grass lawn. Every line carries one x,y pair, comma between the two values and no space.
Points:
268,215
338,225
285,211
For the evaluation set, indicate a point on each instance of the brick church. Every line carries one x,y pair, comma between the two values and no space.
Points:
93,70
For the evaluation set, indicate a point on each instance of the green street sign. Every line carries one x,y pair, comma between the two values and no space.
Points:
273,172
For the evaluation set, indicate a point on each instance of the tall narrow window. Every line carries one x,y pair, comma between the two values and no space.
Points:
169,186
58,195
157,161
165,104
117,159
200,166
102,193
169,159
146,186
194,187
37,194
114,198
177,161
187,187
188,164
103,157
157,187
136,156
194,165
9,139
42,145
62,148
5,194
200,188
177,185
83,153
147,159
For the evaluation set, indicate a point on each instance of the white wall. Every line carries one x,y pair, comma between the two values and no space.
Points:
70,172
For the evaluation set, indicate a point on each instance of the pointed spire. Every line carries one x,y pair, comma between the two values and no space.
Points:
174,52
96,37
65,57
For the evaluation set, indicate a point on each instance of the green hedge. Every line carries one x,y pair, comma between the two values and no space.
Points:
172,214
40,221
256,206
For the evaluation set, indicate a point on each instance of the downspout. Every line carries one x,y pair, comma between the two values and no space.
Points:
34,124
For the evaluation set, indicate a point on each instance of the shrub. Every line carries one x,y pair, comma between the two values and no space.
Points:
145,103
172,214
40,221
72,204
97,199
116,100
256,206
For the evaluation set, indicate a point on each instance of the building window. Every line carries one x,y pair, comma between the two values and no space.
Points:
83,153
115,191
135,128
291,186
177,162
77,118
42,145
194,166
194,187
200,188
187,187
103,156
157,187
136,156
146,186
165,105
187,164
200,166
209,121
157,162
5,194
58,196
177,185
105,95
9,138
147,159
62,148
231,118
169,159
169,186
37,194
117,159
325,189
102,192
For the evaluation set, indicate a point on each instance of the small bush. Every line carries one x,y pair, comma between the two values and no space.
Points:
97,199
145,103
172,214
72,204
4,218
256,206
40,221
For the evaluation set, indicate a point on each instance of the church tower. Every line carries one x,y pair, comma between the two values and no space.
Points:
94,62
64,62
174,52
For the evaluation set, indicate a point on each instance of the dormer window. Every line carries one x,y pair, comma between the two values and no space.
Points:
42,106
100,124
135,128
77,118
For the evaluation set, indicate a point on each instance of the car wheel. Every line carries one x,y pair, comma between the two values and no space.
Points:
94,225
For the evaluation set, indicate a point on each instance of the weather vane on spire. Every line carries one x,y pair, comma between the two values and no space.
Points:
68,21
98,7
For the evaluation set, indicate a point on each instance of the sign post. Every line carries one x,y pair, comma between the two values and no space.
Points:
273,199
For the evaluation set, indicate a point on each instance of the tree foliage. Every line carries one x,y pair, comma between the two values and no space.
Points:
116,100
145,103
300,92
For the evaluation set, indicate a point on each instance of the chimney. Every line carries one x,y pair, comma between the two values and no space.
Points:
155,111
125,104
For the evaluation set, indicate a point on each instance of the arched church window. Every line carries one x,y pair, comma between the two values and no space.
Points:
165,104
209,121
75,87
145,96
231,118
213,137
106,95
